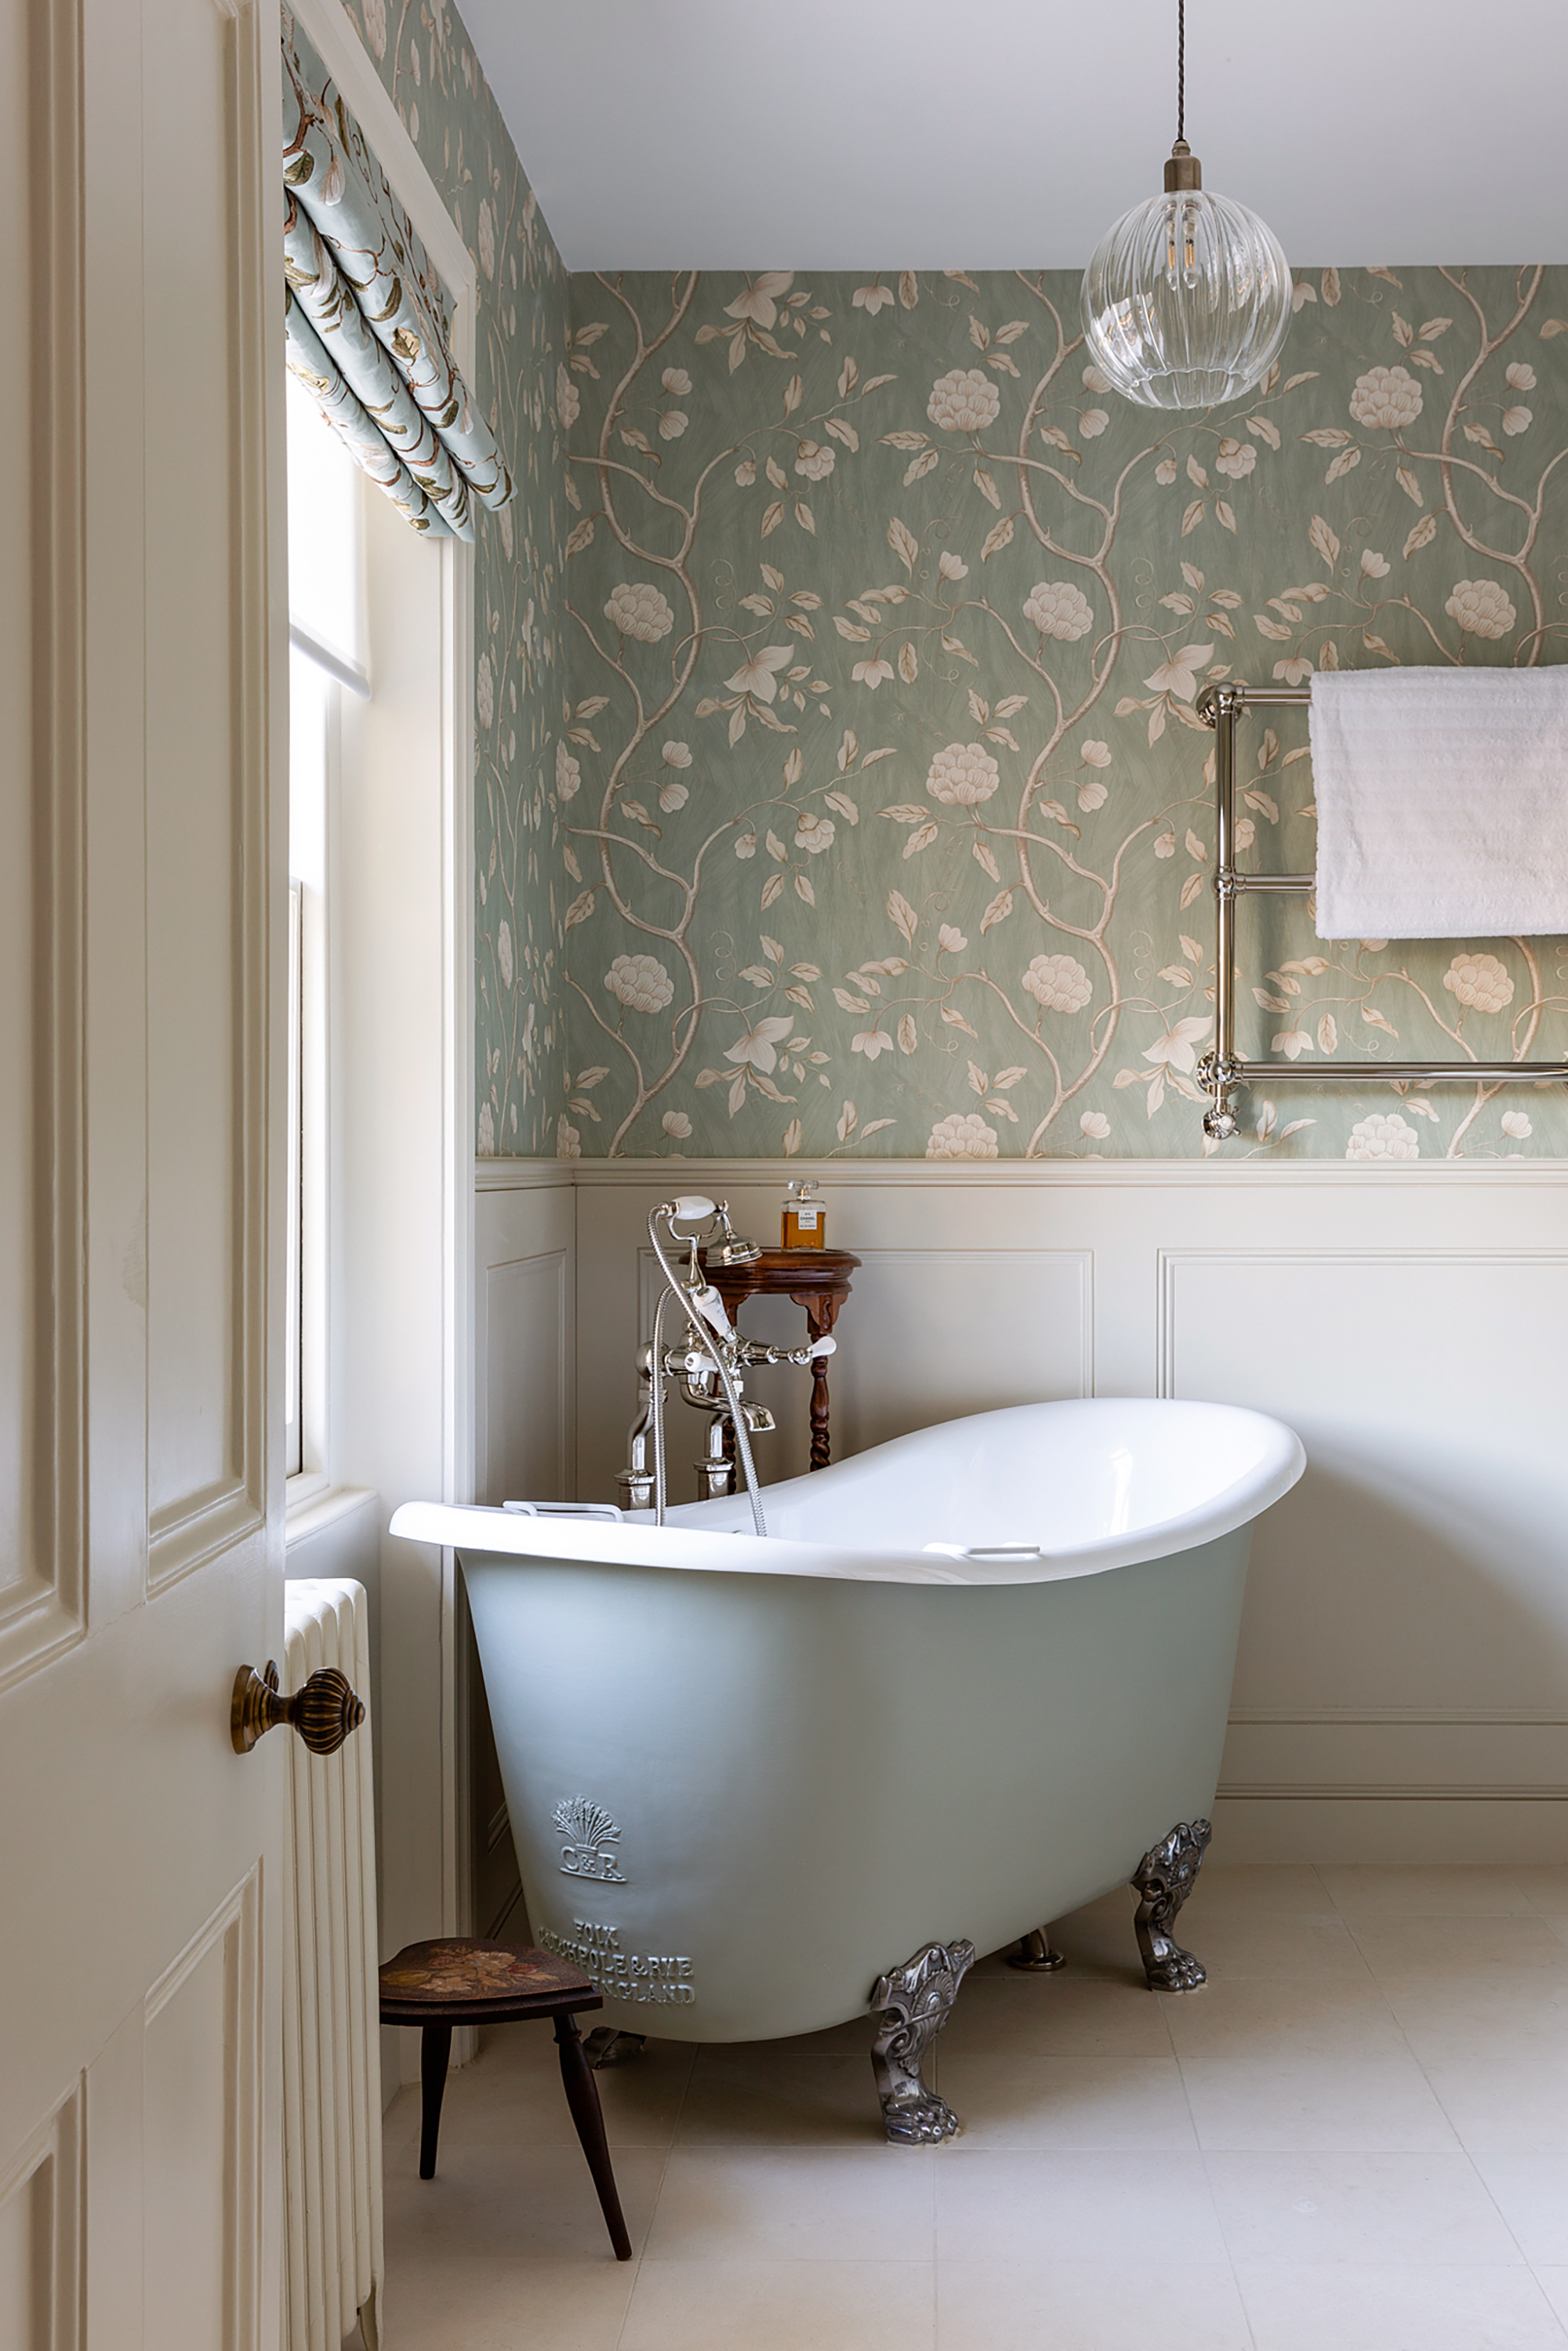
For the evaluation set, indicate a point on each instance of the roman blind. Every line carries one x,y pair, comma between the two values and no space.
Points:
367,321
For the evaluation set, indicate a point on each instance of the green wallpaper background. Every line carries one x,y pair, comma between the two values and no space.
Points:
839,787
884,788
427,63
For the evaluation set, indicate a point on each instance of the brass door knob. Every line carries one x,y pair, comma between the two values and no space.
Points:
323,1712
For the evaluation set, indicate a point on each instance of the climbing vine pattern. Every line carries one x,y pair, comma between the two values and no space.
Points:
881,798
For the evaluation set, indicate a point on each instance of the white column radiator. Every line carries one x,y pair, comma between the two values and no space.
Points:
331,2032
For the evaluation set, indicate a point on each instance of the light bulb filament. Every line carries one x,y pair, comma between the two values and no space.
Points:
1181,230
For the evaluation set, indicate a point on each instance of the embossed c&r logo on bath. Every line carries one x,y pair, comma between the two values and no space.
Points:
591,1838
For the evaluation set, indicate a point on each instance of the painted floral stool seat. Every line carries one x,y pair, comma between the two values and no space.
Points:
459,1980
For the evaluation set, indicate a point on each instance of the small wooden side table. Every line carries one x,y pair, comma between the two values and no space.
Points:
819,1281
461,1980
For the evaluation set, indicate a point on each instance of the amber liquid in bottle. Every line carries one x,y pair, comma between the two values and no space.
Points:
805,1221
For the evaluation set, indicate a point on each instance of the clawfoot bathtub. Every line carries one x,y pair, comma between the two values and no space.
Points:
968,1681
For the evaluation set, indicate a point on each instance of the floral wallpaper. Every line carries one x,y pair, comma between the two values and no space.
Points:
883,820
840,789
428,65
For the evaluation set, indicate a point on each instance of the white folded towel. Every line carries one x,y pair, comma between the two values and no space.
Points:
1442,798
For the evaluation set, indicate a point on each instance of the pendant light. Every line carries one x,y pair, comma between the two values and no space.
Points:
1188,298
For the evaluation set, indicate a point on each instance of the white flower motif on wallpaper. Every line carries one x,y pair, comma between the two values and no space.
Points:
760,675
639,609
758,1049
963,775
1059,983
971,879
640,982
1382,1137
964,401
965,1136
1058,609
1481,608
1389,397
1479,981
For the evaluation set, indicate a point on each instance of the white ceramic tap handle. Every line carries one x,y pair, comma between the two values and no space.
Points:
711,1307
824,1346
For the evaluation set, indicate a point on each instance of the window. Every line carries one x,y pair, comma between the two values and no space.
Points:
326,659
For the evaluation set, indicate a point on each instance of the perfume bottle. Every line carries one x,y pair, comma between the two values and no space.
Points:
805,1220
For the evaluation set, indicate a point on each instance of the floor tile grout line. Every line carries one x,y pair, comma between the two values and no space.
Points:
1469,2152
635,2265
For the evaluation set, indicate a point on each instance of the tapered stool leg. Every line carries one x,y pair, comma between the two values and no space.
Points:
582,2097
434,2050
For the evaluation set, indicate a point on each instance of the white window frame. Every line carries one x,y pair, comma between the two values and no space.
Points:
405,1427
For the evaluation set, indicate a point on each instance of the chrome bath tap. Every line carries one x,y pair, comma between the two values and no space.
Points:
708,1364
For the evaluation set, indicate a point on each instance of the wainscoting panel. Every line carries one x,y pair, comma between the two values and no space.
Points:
1402,1688
524,1345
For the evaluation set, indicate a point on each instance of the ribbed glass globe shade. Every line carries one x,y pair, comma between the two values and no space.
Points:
1187,301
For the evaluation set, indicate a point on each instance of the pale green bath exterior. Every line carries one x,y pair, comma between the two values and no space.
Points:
812,1777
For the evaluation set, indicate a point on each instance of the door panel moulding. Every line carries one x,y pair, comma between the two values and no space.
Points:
43,1608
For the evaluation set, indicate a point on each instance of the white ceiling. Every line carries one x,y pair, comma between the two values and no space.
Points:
945,134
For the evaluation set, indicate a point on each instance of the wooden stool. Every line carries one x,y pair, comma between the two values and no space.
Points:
462,1981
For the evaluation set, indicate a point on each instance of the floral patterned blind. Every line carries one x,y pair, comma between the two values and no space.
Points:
366,321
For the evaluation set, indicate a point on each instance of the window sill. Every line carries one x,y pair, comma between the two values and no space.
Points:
321,1507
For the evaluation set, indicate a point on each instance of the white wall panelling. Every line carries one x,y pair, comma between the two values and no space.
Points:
524,1339
1399,1691
524,1334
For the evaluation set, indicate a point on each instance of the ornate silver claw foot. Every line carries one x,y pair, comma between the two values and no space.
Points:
1034,1954
605,2047
1164,1879
915,2000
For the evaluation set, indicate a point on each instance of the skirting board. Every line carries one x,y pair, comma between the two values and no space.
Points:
1391,1829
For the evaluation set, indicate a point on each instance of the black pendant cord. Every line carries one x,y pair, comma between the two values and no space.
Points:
1181,71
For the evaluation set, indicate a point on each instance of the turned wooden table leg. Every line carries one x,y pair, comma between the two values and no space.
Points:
821,1313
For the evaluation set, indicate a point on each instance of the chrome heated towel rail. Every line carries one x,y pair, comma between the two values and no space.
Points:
1221,1071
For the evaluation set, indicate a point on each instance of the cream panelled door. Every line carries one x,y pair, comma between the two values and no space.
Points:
141,1034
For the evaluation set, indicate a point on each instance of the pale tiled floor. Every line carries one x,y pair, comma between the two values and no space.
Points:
1356,2137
